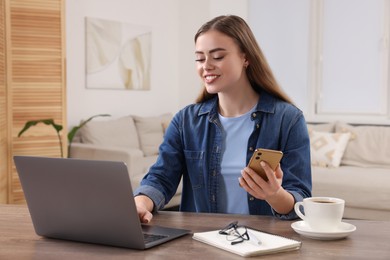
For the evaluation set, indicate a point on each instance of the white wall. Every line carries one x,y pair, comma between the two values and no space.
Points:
281,28
174,82
319,64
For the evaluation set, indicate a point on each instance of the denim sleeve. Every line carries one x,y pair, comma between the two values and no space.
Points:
291,215
296,165
154,194
161,181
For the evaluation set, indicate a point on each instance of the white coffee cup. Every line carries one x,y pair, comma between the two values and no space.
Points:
322,214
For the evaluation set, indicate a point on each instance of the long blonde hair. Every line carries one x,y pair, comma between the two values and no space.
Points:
258,72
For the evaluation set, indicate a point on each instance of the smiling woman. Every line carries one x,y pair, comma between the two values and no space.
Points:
221,64
209,143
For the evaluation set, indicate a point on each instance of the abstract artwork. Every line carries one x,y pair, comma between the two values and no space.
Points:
117,55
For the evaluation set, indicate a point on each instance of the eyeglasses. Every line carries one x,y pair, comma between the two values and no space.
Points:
234,233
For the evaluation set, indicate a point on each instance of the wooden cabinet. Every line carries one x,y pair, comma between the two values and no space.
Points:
3,112
32,85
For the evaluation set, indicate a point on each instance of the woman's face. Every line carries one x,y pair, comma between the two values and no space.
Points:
219,62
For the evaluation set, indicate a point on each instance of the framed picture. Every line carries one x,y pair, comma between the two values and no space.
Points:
118,55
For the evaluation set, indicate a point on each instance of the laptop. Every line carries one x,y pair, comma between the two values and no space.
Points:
86,201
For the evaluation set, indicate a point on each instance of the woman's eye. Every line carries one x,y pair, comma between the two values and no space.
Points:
214,58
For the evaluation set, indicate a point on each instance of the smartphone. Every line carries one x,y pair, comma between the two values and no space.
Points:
272,157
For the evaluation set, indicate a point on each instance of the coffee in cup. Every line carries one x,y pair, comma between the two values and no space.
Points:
322,214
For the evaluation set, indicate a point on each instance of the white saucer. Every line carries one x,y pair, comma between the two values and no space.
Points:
303,229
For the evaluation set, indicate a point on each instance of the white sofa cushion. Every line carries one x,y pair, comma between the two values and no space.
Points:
321,127
369,145
119,132
359,187
327,149
151,132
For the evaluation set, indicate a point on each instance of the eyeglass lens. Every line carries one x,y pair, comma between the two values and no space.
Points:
234,233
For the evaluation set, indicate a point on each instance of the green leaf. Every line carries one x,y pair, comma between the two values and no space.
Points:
74,130
72,133
51,122
58,128
31,123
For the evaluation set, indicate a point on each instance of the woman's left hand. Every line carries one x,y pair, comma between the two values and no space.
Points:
271,191
257,186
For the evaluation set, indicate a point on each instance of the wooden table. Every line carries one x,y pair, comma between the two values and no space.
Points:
19,241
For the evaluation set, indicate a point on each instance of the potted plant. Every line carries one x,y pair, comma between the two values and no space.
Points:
58,129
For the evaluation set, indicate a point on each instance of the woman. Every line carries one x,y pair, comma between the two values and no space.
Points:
210,143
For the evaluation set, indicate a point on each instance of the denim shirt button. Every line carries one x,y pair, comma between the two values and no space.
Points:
214,173
257,126
251,149
254,115
251,198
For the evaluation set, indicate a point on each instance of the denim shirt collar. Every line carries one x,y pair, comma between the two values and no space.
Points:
267,105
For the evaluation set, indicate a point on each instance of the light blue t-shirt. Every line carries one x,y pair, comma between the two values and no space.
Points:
232,198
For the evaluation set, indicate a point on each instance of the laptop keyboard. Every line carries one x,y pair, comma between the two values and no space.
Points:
152,237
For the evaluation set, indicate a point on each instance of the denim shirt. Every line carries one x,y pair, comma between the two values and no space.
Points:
192,150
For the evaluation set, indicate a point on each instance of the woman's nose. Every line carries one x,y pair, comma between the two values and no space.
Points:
207,65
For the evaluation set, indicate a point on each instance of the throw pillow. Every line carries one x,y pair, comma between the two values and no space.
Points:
166,120
151,132
116,132
320,127
327,149
368,146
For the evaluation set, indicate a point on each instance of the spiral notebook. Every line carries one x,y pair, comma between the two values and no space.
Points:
260,243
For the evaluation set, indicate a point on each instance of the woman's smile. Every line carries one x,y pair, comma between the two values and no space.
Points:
210,78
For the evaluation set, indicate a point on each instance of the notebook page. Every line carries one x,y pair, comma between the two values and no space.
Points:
269,243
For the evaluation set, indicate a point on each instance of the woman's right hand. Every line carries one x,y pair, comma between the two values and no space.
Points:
144,208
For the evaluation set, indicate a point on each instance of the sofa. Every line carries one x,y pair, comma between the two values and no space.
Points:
132,139
352,162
